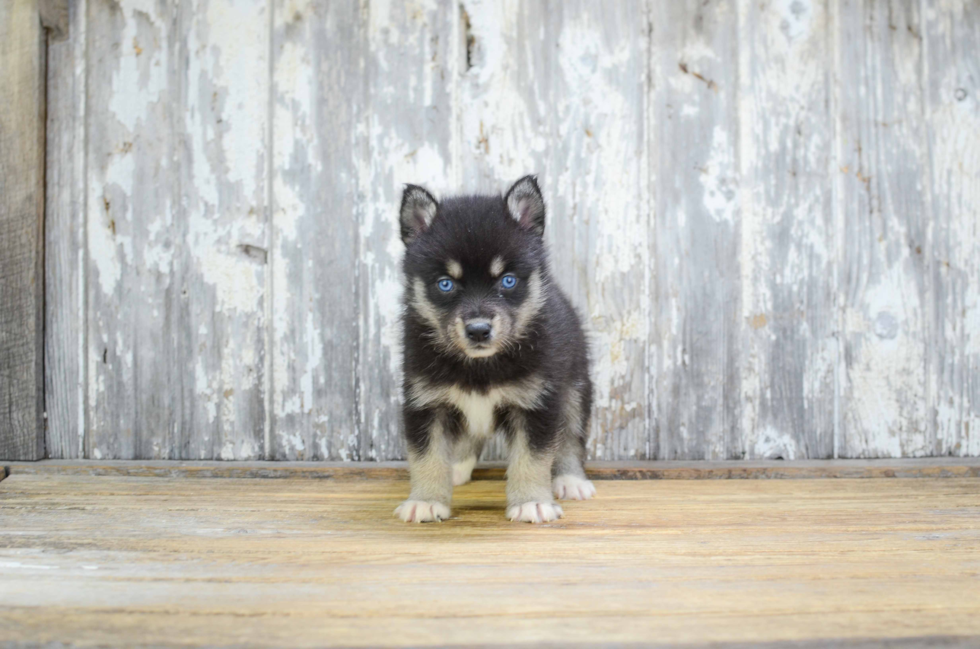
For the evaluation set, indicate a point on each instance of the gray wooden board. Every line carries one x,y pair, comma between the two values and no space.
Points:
131,166
65,260
952,109
788,347
766,214
885,278
219,221
318,105
22,68
697,221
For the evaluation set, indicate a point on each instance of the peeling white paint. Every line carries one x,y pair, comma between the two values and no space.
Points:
771,444
236,282
102,252
204,390
720,179
146,73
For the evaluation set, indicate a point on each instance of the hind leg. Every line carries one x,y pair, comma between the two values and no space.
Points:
568,476
465,454
568,472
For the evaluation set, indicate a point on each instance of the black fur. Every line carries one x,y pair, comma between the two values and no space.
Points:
473,230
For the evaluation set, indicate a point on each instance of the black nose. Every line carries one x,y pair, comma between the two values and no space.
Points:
478,332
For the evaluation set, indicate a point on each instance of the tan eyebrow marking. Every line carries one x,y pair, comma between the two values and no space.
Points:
454,269
496,266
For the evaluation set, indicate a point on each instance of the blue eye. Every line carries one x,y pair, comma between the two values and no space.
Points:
445,285
508,281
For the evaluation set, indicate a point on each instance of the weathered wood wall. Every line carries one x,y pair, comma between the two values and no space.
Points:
767,212
22,75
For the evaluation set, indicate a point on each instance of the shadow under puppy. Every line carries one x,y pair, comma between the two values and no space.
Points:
491,345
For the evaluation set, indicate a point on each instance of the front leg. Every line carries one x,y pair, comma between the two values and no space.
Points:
430,468
529,464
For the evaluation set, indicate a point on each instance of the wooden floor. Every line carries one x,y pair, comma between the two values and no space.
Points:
122,561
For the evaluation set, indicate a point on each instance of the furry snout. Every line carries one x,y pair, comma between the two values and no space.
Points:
480,337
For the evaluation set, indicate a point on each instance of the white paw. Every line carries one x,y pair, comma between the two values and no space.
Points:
420,511
535,512
463,470
570,487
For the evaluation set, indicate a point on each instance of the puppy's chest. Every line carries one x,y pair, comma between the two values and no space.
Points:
479,408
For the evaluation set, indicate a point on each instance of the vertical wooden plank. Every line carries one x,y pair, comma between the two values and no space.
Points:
788,250
412,59
951,31
560,90
64,276
697,191
131,204
318,144
218,286
22,68
885,282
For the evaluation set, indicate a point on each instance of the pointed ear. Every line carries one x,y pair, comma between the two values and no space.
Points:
418,210
526,205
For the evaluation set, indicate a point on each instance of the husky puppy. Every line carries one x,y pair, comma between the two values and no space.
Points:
491,344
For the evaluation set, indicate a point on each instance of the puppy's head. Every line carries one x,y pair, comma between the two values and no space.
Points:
475,267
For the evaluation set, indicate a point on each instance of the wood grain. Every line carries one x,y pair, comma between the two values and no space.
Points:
698,220
132,197
22,68
119,561
319,103
886,284
789,244
217,255
952,109
66,263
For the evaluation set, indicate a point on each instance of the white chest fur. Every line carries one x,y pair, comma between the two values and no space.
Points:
478,407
